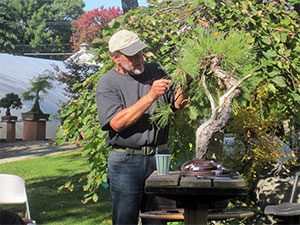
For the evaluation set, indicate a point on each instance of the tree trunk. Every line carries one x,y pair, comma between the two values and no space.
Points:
221,114
209,128
129,5
7,113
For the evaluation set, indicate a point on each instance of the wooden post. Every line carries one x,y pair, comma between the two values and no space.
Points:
11,132
196,216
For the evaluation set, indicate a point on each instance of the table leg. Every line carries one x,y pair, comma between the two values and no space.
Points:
196,216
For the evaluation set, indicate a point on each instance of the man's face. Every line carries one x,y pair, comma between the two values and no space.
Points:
133,65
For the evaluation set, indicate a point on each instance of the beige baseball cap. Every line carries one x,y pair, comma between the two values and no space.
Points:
127,42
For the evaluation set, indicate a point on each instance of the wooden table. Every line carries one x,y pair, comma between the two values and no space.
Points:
193,193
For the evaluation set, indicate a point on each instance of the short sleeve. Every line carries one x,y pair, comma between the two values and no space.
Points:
108,102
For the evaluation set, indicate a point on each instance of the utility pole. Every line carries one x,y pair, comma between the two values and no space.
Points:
129,5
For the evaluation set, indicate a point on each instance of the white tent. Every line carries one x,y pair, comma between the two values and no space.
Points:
15,74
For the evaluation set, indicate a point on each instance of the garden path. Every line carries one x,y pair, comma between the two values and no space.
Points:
21,150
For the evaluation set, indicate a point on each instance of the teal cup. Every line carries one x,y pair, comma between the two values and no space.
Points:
163,163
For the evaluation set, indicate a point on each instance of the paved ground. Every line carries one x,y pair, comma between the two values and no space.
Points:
21,150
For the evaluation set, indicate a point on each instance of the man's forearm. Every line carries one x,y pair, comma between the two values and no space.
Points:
128,116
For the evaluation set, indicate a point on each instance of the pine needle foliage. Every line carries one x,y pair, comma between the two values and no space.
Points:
235,55
236,58
232,47
39,84
161,115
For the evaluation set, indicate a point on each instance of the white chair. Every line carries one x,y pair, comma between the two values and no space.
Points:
13,191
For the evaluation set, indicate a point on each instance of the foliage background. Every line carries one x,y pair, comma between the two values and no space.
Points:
33,26
87,27
272,32
51,28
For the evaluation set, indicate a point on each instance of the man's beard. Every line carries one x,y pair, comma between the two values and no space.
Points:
132,70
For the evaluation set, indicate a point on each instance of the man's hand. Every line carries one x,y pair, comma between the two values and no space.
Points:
181,97
159,87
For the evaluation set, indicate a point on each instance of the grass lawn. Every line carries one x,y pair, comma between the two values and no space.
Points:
43,176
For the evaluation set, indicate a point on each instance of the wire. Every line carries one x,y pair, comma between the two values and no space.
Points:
45,45
67,53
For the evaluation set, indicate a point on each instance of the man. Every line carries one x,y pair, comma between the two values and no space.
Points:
8,217
126,97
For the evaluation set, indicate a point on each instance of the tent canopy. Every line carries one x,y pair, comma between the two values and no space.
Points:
15,74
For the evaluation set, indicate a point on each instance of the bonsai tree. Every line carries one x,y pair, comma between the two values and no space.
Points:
39,84
218,72
11,100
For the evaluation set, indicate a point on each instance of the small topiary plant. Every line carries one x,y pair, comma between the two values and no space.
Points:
39,85
11,100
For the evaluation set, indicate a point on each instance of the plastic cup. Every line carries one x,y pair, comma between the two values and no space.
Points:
163,163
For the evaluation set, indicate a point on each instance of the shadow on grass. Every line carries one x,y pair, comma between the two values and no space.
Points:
13,152
49,206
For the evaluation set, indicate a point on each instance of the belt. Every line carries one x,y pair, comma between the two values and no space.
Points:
146,150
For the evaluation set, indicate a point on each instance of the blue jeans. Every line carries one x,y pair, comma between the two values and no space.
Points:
127,175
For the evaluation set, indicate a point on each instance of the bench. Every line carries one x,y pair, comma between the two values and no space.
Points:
288,212
169,215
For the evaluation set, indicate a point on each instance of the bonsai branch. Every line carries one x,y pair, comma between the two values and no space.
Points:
210,97
222,113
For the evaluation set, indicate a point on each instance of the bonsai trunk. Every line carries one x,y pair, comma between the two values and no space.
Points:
221,114
7,113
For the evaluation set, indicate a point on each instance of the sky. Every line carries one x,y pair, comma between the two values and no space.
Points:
93,4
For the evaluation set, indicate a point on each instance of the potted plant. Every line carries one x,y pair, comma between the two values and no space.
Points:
35,119
39,85
11,100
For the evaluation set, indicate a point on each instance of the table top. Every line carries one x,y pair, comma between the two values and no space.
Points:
283,209
192,188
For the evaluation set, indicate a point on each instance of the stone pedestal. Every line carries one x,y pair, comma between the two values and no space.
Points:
11,132
34,130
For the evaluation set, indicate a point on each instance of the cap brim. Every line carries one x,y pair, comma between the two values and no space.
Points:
134,48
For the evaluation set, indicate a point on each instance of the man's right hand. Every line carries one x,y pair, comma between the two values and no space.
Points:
159,87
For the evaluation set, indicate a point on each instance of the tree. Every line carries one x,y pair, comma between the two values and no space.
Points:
9,29
222,66
11,100
129,5
75,75
39,85
88,27
268,30
47,24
